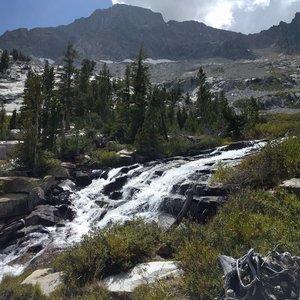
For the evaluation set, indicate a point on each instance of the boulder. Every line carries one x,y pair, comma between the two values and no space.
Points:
12,205
45,215
102,203
10,232
34,229
47,280
36,197
237,145
60,173
145,273
292,185
66,212
115,185
83,179
208,190
125,170
171,206
116,195
19,184
57,196
48,182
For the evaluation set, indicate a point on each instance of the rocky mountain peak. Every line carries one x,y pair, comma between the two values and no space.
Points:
117,33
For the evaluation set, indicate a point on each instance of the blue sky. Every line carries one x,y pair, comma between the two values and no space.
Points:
247,16
42,13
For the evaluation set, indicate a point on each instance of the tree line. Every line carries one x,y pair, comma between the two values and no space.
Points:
128,110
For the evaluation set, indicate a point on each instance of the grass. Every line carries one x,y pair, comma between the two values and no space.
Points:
105,158
276,162
279,125
11,288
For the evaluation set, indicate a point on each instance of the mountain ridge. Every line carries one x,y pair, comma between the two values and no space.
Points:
118,32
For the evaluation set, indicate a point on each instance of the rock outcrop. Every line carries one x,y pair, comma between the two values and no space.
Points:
145,273
46,279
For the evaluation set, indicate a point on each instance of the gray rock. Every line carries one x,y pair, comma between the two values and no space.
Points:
60,173
47,280
10,232
145,273
12,205
36,197
48,182
45,215
83,179
19,184
115,185
292,185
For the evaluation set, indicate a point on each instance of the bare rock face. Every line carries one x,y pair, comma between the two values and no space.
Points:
12,205
19,184
292,185
145,273
47,280
118,32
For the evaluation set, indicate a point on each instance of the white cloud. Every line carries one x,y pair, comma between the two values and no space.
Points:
223,13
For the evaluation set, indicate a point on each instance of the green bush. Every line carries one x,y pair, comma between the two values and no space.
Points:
48,162
277,161
11,288
108,251
179,145
260,220
105,158
279,125
75,145
89,292
161,290
175,146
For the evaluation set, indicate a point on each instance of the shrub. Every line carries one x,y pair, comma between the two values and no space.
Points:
260,220
108,251
279,125
105,158
48,162
89,292
175,146
276,162
161,290
11,288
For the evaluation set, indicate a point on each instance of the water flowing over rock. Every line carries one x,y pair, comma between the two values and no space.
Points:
154,191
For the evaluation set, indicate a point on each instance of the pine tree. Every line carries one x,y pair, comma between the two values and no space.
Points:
66,85
203,103
31,120
51,109
140,83
4,61
83,101
120,128
104,96
13,120
3,126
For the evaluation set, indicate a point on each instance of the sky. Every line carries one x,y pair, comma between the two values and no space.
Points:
247,16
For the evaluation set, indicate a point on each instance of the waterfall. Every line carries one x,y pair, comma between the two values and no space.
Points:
123,194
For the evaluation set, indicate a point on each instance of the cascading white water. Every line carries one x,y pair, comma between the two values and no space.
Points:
145,188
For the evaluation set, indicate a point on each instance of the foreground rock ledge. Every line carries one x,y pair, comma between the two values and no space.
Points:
145,273
47,281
